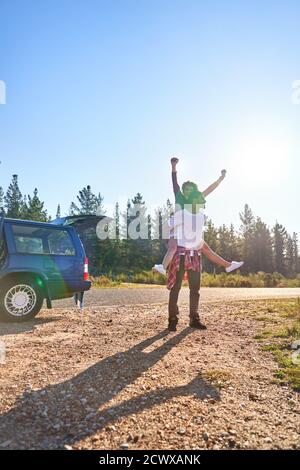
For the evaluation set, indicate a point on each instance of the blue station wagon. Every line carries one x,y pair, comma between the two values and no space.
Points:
40,261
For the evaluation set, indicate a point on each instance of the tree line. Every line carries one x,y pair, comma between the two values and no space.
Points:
261,247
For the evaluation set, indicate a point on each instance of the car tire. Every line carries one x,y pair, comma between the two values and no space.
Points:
20,300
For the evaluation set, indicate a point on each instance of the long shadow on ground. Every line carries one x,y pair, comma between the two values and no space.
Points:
67,412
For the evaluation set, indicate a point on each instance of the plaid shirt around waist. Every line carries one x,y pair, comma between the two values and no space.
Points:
192,261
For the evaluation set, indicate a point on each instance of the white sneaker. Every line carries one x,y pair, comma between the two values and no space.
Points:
159,269
234,265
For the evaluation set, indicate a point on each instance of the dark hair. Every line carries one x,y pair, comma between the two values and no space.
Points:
195,195
190,183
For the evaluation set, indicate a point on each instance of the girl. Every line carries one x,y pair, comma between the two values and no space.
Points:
183,201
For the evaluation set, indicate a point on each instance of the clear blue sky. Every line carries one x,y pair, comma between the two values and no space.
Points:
104,92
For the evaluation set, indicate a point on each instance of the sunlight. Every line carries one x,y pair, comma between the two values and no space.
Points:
262,160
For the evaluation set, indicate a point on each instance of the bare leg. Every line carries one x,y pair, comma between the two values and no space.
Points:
214,257
172,247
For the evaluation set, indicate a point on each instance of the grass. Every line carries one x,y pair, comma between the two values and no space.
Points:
208,280
104,281
143,277
277,340
262,335
265,318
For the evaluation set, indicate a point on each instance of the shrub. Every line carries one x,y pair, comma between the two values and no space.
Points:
259,279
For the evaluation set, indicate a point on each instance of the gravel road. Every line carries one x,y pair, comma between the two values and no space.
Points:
159,294
112,377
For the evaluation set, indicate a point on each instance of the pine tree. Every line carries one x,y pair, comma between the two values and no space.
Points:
126,221
13,200
228,243
109,257
58,212
23,214
124,240
224,242
89,203
1,201
160,220
211,235
290,257
279,240
263,253
234,252
158,246
149,226
117,220
160,231
248,245
136,245
100,206
296,253
33,208
211,238
139,243
139,215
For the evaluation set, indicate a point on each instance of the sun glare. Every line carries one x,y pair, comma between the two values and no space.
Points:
262,160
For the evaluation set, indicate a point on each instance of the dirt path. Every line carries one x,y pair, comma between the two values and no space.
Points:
114,378
159,294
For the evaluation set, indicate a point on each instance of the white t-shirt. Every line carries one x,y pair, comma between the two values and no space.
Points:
188,228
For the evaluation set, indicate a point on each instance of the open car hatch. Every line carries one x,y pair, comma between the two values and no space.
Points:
81,222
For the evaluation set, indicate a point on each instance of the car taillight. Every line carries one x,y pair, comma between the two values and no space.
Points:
86,269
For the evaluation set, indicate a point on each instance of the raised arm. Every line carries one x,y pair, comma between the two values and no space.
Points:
214,185
176,186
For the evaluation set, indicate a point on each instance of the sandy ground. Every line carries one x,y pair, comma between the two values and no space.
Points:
113,377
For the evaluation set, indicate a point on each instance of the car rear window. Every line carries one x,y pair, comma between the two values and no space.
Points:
37,240
3,250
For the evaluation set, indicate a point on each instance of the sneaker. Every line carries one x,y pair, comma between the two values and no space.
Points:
234,265
197,324
159,269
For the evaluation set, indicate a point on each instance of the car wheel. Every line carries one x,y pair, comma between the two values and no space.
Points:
20,301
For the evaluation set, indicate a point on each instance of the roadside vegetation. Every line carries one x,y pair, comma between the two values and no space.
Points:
263,249
280,335
259,279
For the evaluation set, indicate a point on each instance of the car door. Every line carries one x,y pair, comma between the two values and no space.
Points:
51,250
